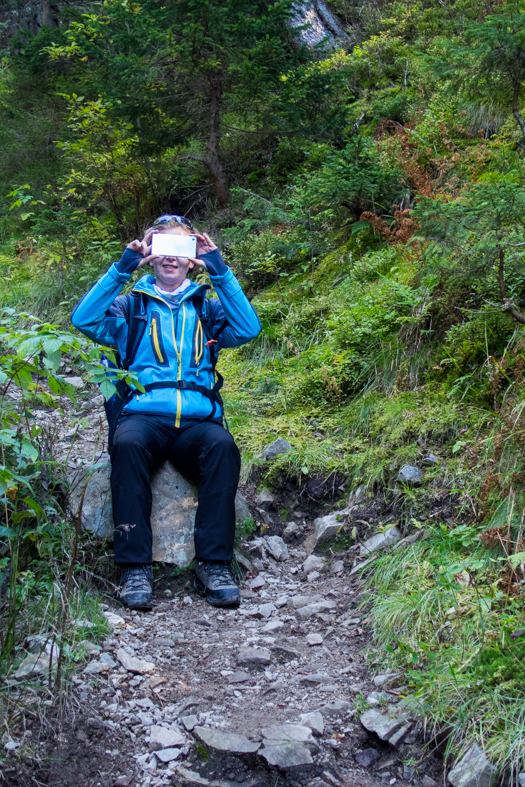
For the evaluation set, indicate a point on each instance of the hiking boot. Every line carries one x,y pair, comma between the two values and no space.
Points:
216,582
135,589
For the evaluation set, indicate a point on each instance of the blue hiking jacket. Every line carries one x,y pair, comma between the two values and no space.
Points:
173,347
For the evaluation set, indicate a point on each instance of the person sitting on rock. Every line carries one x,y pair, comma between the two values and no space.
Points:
180,416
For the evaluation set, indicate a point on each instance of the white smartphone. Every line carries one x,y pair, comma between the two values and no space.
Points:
164,245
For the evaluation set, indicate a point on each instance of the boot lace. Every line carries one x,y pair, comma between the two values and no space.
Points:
135,577
222,574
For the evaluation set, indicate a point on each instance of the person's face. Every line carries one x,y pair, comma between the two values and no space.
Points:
170,271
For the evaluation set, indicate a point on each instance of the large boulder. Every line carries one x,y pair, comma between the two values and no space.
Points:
172,516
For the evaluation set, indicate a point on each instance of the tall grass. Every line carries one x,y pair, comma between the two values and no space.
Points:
440,614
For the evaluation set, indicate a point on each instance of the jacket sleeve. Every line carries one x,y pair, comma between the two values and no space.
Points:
100,315
242,322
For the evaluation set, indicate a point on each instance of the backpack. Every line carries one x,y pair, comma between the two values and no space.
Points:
137,319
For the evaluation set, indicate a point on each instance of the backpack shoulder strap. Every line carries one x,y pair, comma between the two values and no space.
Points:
136,318
202,307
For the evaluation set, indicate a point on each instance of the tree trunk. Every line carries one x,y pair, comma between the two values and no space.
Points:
213,159
49,12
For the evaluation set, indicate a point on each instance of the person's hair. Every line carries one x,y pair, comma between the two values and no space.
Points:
170,226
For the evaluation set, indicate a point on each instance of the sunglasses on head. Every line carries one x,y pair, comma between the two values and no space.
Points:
168,218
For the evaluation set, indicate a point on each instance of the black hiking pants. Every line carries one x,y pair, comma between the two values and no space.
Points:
204,453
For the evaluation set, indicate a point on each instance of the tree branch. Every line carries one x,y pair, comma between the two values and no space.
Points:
515,110
253,194
508,305
266,133
196,158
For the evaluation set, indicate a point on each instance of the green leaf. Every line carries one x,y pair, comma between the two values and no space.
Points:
517,560
29,450
23,378
7,532
54,359
28,345
52,344
39,511
107,389
19,515
55,385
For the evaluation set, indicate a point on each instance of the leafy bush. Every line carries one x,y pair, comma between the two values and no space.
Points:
35,530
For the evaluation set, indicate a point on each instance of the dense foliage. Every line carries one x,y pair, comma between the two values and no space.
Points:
368,192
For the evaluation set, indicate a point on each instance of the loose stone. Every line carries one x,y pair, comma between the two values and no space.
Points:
313,609
163,642
168,755
313,563
410,475
286,755
90,648
96,668
473,770
226,741
239,677
132,664
314,720
276,547
33,665
314,639
254,658
275,449
337,708
162,738
380,680
383,724
367,757
265,499
315,678
189,722
327,528
380,541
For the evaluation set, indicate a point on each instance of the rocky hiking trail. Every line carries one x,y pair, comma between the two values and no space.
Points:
269,693
277,691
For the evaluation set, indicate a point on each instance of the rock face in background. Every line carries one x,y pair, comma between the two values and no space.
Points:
322,24
172,517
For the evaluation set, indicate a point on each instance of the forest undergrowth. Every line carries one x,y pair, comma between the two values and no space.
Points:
369,195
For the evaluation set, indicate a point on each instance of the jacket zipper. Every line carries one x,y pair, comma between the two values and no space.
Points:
179,356
199,344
